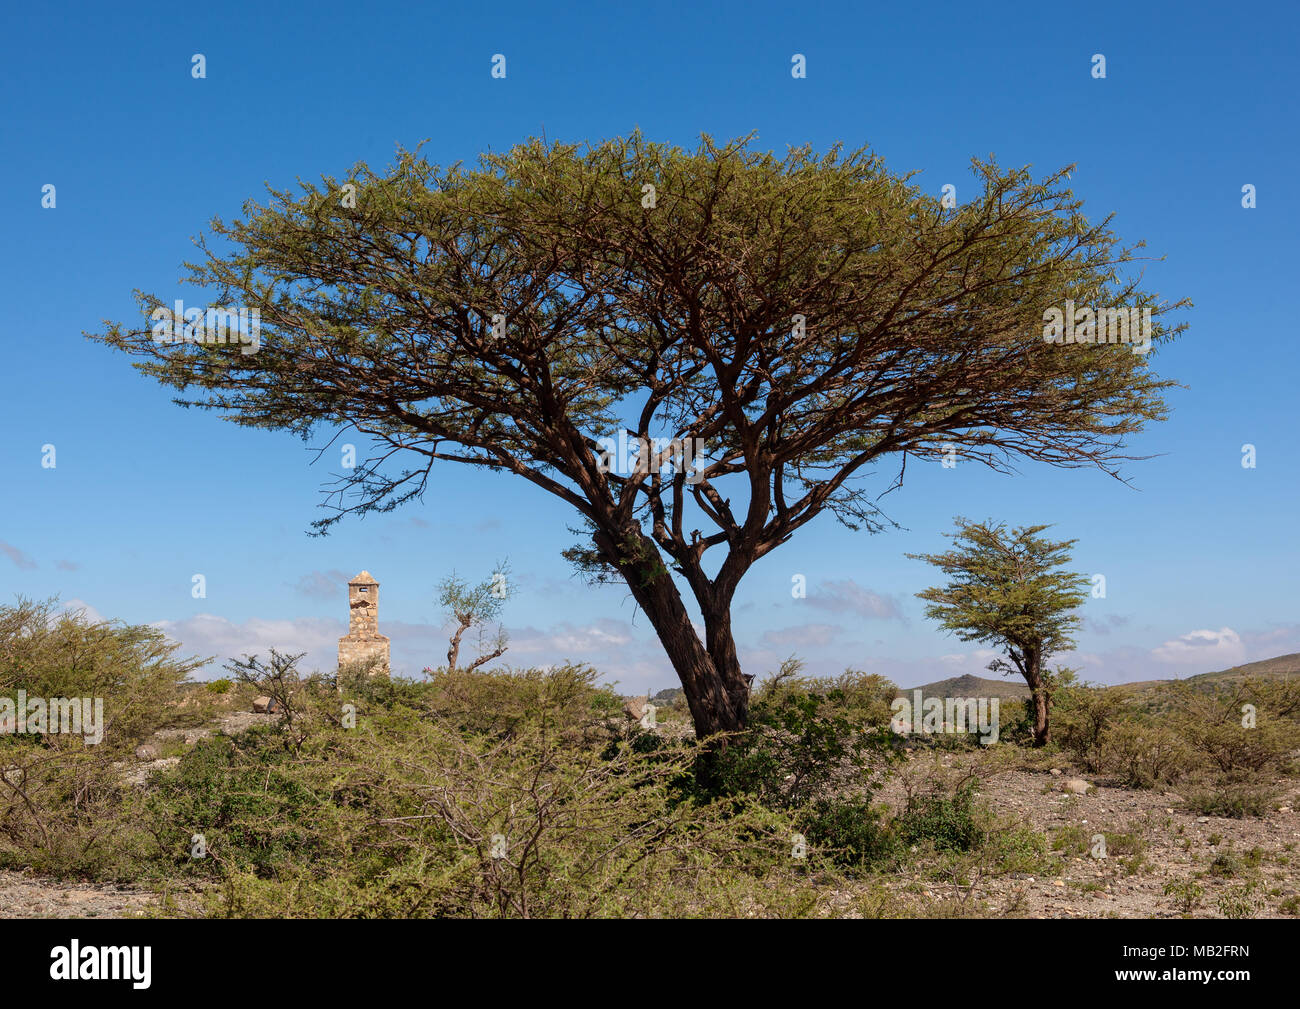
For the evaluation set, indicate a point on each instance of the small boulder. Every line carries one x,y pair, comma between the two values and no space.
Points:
262,705
1055,770
146,751
1076,785
635,708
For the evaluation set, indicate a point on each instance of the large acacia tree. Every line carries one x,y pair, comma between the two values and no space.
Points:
804,317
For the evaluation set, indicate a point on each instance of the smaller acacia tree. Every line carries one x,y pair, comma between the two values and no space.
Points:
1009,588
468,605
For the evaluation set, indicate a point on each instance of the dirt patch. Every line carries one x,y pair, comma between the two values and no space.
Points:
23,896
1159,845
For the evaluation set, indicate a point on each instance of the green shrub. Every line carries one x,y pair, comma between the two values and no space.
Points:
1235,800
949,822
1212,724
51,653
1081,715
1072,840
850,832
1146,755
1021,850
805,743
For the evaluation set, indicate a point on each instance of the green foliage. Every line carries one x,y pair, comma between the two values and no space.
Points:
474,605
1241,901
950,822
1009,589
810,740
53,653
850,832
1146,755
1212,723
1072,840
1186,892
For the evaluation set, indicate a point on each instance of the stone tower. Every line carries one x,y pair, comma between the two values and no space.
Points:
364,642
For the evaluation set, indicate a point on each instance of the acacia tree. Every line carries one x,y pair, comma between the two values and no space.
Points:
1011,589
802,318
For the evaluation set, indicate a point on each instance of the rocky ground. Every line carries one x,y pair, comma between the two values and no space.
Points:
23,896
1152,843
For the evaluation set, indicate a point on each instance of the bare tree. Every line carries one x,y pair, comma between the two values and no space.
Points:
468,605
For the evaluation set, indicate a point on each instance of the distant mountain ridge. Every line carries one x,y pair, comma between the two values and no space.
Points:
1279,667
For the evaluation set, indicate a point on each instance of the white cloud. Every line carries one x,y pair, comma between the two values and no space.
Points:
75,605
207,634
976,661
1221,648
568,641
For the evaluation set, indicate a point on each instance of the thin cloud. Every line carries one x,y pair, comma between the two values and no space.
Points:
848,596
323,584
23,560
802,636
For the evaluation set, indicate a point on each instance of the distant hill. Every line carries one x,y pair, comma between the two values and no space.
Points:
971,686
1265,669
1151,693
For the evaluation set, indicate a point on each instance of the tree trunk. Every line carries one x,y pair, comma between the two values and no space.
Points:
711,678
1034,677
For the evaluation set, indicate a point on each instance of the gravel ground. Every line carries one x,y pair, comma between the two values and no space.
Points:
1176,846
23,896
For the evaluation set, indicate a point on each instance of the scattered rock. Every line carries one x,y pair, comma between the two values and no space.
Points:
1076,785
1055,770
139,775
635,708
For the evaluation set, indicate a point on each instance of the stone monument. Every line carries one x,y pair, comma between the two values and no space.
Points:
364,642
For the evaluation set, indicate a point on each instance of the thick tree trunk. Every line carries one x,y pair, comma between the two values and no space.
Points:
721,647
711,678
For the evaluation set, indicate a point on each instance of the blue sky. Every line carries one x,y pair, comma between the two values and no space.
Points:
1199,554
